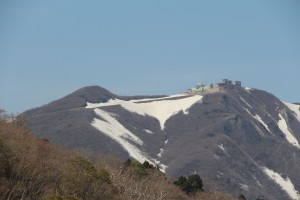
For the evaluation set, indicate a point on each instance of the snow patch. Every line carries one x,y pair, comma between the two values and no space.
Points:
148,131
221,146
248,111
245,102
161,110
262,122
289,136
257,181
161,151
166,141
162,167
284,183
258,129
295,108
244,186
258,118
248,89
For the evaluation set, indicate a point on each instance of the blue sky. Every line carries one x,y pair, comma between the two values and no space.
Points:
51,48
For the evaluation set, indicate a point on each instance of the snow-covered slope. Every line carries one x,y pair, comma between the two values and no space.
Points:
130,142
161,109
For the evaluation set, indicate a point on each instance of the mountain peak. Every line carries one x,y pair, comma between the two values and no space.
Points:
76,99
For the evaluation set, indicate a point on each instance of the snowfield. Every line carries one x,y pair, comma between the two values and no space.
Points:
162,110
285,184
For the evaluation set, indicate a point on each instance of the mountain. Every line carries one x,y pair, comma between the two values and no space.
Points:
242,140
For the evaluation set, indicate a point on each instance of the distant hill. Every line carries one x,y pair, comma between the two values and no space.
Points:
244,140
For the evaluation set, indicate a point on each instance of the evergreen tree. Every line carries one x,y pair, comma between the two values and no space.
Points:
147,165
191,184
182,183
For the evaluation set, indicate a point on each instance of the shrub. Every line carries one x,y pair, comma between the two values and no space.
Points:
84,166
138,168
104,175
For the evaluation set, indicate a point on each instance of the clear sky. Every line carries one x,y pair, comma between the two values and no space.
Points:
51,48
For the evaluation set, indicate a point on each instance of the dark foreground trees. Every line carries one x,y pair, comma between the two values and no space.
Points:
191,184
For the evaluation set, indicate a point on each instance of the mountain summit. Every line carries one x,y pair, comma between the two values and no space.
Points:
243,140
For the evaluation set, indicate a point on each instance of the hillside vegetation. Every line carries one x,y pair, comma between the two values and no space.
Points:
32,168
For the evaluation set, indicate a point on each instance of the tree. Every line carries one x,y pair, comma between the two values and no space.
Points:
242,197
182,183
191,184
195,183
138,168
147,165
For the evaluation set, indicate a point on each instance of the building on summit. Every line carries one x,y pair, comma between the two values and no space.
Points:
226,82
214,87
